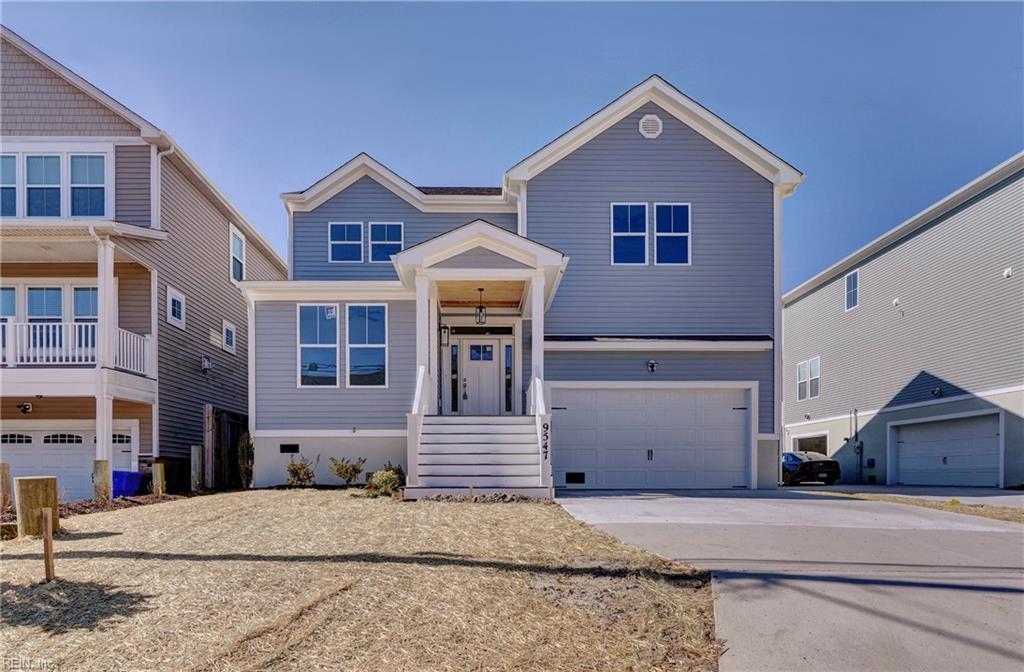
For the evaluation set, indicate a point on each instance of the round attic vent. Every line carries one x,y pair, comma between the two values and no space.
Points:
650,126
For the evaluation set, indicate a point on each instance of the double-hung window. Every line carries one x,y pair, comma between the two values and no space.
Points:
42,186
8,185
228,333
852,287
808,376
345,242
367,339
629,234
175,307
386,239
8,312
672,234
237,243
85,308
46,306
318,345
88,190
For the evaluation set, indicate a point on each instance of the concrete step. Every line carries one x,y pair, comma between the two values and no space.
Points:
478,448
478,470
478,481
478,438
479,420
480,458
493,428
416,492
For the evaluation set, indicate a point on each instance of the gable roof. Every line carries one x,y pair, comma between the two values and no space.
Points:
954,200
153,135
685,109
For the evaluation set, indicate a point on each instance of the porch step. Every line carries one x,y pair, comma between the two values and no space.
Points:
479,458
478,449
426,439
492,428
479,420
482,481
478,470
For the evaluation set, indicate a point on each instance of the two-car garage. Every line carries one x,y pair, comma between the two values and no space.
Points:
624,436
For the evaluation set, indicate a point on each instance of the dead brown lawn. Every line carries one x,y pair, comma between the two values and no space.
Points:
1007,513
320,580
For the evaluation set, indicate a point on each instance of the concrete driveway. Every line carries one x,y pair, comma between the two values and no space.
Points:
818,582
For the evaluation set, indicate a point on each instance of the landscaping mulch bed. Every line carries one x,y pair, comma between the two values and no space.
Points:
81,506
323,580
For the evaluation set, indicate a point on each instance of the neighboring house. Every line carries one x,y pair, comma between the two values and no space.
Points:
120,270
912,348
628,272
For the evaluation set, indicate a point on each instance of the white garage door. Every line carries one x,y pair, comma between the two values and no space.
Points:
961,451
653,438
66,453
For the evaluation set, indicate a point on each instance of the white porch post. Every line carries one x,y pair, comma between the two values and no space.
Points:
422,320
433,352
105,327
104,447
537,324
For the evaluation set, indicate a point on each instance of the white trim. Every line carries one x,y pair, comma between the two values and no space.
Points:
767,436
224,327
846,290
173,294
299,345
251,362
687,235
331,242
387,340
615,234
808,435
369,236
327,290
232,233
325,433
155,190
752,386
917,404
891,471
898,233
639,344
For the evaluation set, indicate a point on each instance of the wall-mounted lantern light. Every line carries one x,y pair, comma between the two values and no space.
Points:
445,334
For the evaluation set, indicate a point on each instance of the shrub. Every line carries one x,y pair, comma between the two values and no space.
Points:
245,458
348,470
397,468
386,482
301,474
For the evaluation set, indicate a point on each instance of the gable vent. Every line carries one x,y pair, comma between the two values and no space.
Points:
650,126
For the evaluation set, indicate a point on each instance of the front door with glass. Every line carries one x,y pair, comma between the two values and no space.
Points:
480,390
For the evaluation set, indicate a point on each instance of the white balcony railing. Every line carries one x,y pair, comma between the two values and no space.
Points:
70,344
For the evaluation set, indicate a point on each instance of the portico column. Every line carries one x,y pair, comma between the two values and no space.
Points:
537,325
104,447
432,348
422,321
106,298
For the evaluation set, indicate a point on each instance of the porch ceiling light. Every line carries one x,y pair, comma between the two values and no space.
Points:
481,310
445,333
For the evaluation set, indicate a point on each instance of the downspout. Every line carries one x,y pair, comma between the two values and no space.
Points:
156,188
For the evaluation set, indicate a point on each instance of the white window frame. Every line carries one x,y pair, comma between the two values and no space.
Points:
807,363
846,293
299,345
689,229
225,326
172,294
614,234
385,345
362,243
63,191
401,241
72,185
232,233
14,185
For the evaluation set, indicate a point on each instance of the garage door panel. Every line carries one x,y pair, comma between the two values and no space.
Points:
623,478
723,458
723,479
956,451
674,478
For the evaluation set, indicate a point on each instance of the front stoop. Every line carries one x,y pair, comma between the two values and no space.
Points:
411,493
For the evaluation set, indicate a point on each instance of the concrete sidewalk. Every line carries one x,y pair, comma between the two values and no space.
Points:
816,582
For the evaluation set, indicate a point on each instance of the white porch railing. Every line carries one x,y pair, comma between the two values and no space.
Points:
538,408
420,404
70,344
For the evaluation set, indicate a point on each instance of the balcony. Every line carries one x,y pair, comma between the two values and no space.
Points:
73,344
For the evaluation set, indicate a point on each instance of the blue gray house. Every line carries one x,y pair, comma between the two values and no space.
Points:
607,318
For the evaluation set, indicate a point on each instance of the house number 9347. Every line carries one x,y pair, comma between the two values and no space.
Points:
545,434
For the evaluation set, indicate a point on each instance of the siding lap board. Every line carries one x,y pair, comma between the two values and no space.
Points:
131,183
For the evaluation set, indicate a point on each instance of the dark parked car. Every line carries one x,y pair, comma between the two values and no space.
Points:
799,467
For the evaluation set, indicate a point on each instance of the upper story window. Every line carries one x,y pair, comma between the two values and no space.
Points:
42,186
672,234
86,304
367,340
808,375
318,345
386,239
237,255
629,234
88,185
8,185
345,242
852,287
175,307
228,333
45,304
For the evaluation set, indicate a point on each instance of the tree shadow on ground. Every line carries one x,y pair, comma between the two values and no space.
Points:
64,606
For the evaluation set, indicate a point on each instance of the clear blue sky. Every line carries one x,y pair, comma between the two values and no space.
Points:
885,107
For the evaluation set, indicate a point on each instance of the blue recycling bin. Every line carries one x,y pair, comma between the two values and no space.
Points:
127,483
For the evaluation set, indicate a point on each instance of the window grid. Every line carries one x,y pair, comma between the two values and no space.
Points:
317,336
808,377
852,286
386,239
366,343
176,307
42,185
345,242
88,185
672,234
8,185
237,254
228,337
628,230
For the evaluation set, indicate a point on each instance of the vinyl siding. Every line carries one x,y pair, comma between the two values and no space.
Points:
280,404
958,326
131,184
479,257
366,200
672,366
194,260
728,289
36,102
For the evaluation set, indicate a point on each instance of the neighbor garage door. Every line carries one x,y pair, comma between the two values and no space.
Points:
65,453
650,438
961,451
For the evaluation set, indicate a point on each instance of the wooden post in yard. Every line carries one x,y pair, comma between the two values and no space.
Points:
47,516
32,493
6,496
102,488
159,484
197,467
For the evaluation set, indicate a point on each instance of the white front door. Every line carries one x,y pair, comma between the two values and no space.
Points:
480,375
